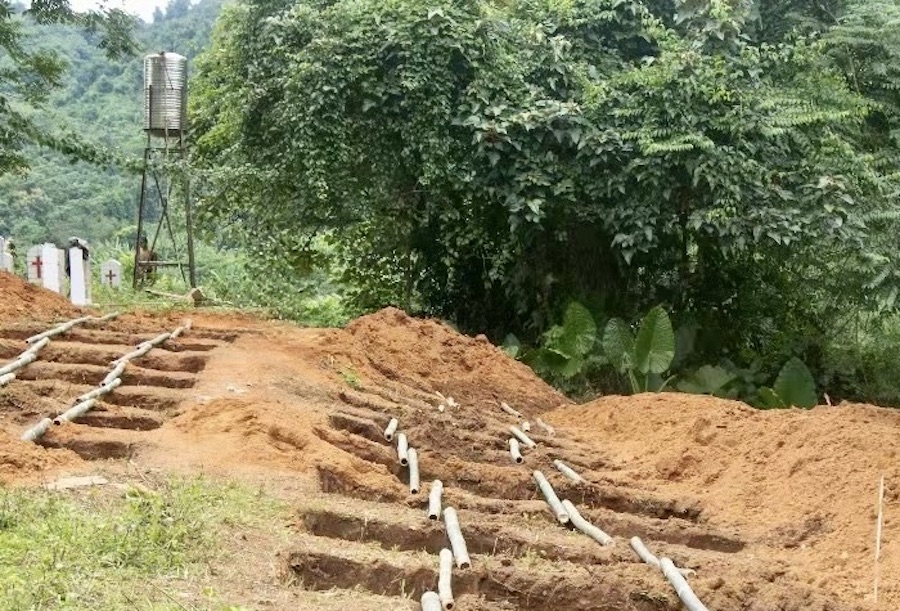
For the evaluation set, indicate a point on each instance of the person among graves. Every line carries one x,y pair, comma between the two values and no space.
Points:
85,252
145,256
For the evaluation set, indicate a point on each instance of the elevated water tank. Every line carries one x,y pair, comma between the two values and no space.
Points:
165,94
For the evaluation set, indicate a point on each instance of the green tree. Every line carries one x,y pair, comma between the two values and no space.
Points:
504,158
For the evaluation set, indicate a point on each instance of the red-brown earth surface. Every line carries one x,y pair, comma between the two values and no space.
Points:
774,510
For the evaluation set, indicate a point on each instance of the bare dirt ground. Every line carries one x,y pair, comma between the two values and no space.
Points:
774,510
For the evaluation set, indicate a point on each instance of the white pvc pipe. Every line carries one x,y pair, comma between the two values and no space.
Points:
514,450
569,472
434,499
99,392
555,504
66,326
26,358
525,439
75,412
403,449
546,427
138,352
413,458
108,317
6,378
160,339
185,327
39,346
512,412
586,527
457,541
684,591
391,429
114,374
647,556
37,430
445,572
430,601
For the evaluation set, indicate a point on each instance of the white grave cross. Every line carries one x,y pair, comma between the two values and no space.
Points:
111,274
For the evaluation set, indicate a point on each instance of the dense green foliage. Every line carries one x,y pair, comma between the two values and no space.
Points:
489,162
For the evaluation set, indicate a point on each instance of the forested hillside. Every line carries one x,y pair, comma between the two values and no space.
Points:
100,100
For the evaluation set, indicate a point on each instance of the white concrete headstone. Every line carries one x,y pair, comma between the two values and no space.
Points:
54,270
111,274
6,260
80,278
44,262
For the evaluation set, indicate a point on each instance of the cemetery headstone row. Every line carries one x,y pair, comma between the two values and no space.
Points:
56,269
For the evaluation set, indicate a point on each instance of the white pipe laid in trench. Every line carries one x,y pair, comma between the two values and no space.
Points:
99,392
512,412
403,449
6,378
114,374
445,572
457,541
514,450
391,429
525,439
434,499
26,358
185,327
555,504
647,556
546,427
586,527
430,601
569,472
57,330
75,412
682,588
39,346
37,430
413,458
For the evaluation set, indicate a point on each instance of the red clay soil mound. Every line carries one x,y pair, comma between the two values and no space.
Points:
20,300
804,481
24,461
432,356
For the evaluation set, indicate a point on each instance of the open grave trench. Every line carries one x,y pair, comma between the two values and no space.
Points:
76,362
368,531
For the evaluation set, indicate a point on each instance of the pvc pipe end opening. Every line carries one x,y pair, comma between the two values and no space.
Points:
404,462
414,490
389,438
519,460
432,516
465,565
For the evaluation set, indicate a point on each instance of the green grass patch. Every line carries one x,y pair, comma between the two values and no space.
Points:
102,549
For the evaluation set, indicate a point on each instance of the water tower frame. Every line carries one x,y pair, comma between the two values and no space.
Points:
165,126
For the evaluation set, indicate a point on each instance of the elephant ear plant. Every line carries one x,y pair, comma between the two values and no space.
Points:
794,387
645,358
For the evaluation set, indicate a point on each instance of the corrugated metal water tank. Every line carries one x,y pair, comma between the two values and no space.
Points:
165,94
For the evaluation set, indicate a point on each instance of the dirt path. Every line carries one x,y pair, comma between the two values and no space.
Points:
301,413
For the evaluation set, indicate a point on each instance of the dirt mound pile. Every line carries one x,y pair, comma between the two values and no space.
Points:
431,356
21,461
20,300
799,480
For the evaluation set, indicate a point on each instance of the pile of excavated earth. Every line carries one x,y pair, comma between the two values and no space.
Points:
769,510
